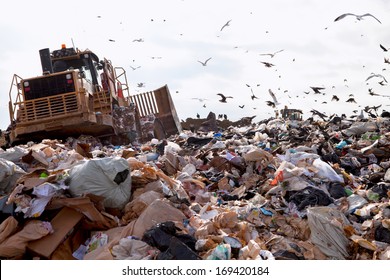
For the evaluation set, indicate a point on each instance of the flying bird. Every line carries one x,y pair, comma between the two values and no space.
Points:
111,40
226,24
358,17
223,97
335,98
205,62
351,100
271,104
271,54
197,115
138,40
370,92
200,99
253,96
321,115
267,64
134,68
273,97
383,48
317,89
241,106
387,60
376,75
250,85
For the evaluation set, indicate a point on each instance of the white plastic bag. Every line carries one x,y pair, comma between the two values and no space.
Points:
9,174
106,177
326,171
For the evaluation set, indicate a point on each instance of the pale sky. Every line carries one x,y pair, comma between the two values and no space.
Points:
176,34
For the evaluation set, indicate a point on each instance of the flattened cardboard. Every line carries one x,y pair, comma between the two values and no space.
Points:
63,224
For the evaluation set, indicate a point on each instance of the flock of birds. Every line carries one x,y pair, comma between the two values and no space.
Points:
273,102
317,90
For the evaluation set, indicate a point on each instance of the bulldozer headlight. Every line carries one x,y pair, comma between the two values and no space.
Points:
69,79
26,84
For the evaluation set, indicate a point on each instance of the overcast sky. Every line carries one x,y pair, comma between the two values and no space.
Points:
316,50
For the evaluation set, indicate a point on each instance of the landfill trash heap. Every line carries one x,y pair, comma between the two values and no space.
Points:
277,189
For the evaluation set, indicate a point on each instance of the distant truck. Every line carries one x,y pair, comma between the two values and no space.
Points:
78,94
290,114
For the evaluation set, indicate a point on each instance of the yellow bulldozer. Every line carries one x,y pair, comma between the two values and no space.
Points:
78,94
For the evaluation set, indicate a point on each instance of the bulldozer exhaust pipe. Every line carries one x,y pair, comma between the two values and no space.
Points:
47,66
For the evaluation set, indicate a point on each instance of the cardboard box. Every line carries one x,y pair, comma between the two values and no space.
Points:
64,224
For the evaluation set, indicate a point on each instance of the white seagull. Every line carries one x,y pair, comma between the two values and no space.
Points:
273,97
271,54
200,99
358,17
135,68
204,63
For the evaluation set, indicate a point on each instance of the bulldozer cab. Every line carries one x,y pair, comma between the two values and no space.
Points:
79,94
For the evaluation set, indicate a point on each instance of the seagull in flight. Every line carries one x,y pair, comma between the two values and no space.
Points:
200,99
223,97
134,68
321,115
271,54
273,97
270,103
371,92
267,64
253,96
317,89
358,17
351,100
383,48
205,62
226,24
376,75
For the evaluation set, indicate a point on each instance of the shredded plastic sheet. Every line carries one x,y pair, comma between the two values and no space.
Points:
327,231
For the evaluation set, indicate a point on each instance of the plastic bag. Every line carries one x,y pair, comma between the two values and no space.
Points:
221,252
327,231
13,154
326,171
359,128
106,177
9,174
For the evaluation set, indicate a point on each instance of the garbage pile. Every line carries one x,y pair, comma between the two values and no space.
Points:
278,189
